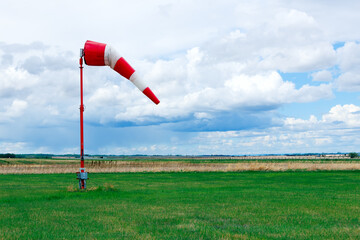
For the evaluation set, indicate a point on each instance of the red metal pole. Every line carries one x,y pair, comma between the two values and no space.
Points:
82,165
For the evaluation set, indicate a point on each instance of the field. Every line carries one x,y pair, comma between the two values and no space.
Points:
151,164
190,205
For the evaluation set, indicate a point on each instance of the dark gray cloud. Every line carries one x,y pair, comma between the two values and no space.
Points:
228,121
62,61
36,65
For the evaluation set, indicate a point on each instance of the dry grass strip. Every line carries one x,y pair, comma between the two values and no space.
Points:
124,166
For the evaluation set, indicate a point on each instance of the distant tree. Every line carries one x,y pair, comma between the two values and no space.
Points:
353,155
7,155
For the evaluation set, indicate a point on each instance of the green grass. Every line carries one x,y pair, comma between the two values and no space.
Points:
244,205
19,161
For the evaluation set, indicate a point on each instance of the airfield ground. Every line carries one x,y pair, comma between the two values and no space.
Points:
187,205
150,198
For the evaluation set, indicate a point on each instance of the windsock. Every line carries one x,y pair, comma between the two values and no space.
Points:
101,54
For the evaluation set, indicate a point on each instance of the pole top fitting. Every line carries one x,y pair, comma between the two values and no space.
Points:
81,52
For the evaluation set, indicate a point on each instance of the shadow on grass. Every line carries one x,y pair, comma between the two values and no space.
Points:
106,188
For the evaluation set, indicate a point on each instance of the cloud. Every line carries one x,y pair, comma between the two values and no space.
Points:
212,74
37,64
322,76
234,88
14,147
10,48
349,60
348,114
300,59
15,82
226,121
339,116
348,82
181,95
15,110
349,56
33,65
6,60
294,135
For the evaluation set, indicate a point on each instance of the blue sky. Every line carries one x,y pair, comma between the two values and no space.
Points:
233,77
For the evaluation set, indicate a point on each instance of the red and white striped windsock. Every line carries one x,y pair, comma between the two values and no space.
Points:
101,54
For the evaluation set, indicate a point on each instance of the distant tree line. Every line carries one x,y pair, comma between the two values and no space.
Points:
7,155
353,155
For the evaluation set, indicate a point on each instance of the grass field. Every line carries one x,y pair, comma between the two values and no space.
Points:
19,161
45,166
242,205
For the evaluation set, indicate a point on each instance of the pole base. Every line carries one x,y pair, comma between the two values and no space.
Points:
82,176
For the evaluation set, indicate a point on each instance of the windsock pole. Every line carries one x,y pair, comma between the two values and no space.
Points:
82,174
101,54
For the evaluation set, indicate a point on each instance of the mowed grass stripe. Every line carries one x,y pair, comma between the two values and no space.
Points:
244,205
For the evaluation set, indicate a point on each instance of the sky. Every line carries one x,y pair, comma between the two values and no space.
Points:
233,77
